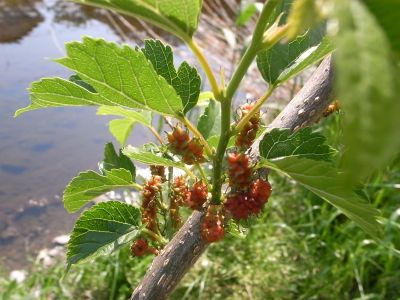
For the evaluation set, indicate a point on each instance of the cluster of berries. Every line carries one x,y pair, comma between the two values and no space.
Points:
247,135
179,195
151,191
246,197
188,148
212,228
141,247
198,195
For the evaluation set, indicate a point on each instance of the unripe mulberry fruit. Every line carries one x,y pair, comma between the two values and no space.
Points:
158,171
239,170
194,153
141,247
212,228
179,195
239,206
247,135
242,205
178,140
198,195
149,202
181,144
260,190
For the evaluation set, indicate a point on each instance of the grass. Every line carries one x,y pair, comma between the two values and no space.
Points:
299,248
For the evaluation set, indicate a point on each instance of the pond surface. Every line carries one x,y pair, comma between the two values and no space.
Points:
41,151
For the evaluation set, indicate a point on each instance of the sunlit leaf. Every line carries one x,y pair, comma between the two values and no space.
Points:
122,128
207,119
102,229
89,185
186,80
114,161
176,16
274,61
150,158
142,117
306,59
247,13
121,76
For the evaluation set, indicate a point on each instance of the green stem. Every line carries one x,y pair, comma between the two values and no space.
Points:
189,173
156,134
115,278
255,109
136,186
254,47
202,173
219,157
226,98
198,134
206,67
154,236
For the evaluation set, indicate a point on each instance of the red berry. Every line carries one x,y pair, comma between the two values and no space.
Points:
141,247
181,144
198,195
212,228
251,202
260,190
150,193
239,170
179,195
246,136
178,140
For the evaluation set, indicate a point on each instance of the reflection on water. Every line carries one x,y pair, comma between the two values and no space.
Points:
18,18
41,151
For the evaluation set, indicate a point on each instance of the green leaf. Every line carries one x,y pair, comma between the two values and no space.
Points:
304,14
89,185
214,140
142,117
121,76
366,86
387,14
302,143
324,180
206,96
122,128
308,58
186,80
114,161
102,229
179,17
208,118
150,158
247,13
274,61
76,79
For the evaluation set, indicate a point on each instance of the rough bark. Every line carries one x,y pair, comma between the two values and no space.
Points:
186,247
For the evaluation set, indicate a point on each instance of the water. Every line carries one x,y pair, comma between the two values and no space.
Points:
42,150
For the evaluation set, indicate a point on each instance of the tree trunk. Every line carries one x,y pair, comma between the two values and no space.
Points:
180,254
